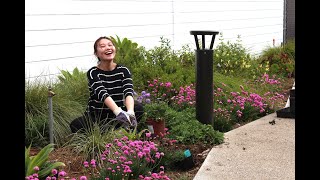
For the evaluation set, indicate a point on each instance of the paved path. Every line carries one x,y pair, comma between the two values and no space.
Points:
257,150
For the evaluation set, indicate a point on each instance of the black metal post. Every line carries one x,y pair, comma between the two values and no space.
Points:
204,77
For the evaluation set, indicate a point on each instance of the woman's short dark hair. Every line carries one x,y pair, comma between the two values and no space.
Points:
95,45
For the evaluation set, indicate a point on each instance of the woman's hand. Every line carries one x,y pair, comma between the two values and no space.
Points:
132,118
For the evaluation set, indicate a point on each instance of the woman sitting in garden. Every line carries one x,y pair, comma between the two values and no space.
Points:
111,92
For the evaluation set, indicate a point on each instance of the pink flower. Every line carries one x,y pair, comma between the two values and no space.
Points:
54,171
36,168
119,144
93,163
86,164
62,173
83,178
148,134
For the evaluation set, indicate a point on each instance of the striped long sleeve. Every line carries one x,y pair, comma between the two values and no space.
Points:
117,84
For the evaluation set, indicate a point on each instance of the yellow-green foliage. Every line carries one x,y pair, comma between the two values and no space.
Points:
279,60
233,83
231,58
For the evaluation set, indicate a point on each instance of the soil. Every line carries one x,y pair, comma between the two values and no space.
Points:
74,167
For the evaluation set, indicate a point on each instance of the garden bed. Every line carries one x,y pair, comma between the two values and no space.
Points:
74,166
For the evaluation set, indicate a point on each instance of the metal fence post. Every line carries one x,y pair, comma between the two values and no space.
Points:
204,77
50,95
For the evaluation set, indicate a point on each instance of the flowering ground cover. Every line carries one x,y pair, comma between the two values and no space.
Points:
74,164
75,168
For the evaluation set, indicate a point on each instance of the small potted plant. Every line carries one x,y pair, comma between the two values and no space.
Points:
154,115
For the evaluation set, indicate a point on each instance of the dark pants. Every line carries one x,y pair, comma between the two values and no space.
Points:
86,121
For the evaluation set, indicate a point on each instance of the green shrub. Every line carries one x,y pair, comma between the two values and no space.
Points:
171,157
289,48
36,130
222,124
91,142
73,86
279,60
231,58
128,52
155,110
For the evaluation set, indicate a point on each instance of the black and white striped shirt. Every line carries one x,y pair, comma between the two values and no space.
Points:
116,83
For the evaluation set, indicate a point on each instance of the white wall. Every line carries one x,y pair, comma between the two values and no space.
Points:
59,34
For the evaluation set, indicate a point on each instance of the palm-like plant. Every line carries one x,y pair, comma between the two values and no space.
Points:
73,86
128,52
40,160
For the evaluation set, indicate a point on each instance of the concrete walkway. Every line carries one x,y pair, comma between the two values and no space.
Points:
257,150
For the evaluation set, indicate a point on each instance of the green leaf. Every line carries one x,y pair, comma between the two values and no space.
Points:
39,159
27,158
47,170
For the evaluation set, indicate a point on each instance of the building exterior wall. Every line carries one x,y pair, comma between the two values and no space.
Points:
59,34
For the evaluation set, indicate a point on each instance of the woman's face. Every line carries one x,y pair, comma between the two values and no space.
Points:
105,50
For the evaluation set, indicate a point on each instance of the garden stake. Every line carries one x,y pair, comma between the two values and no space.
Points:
50,95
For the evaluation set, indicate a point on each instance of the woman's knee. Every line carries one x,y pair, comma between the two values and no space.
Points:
138,109
80,123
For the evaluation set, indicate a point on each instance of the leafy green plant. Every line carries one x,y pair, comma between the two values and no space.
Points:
222,123
73,86
231,58
289,48
171,157
128,52
131,134
279,60
172,66
186,129
41,161
192,131
155,110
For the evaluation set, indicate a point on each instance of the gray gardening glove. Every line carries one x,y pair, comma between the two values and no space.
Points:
132,118
124,119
